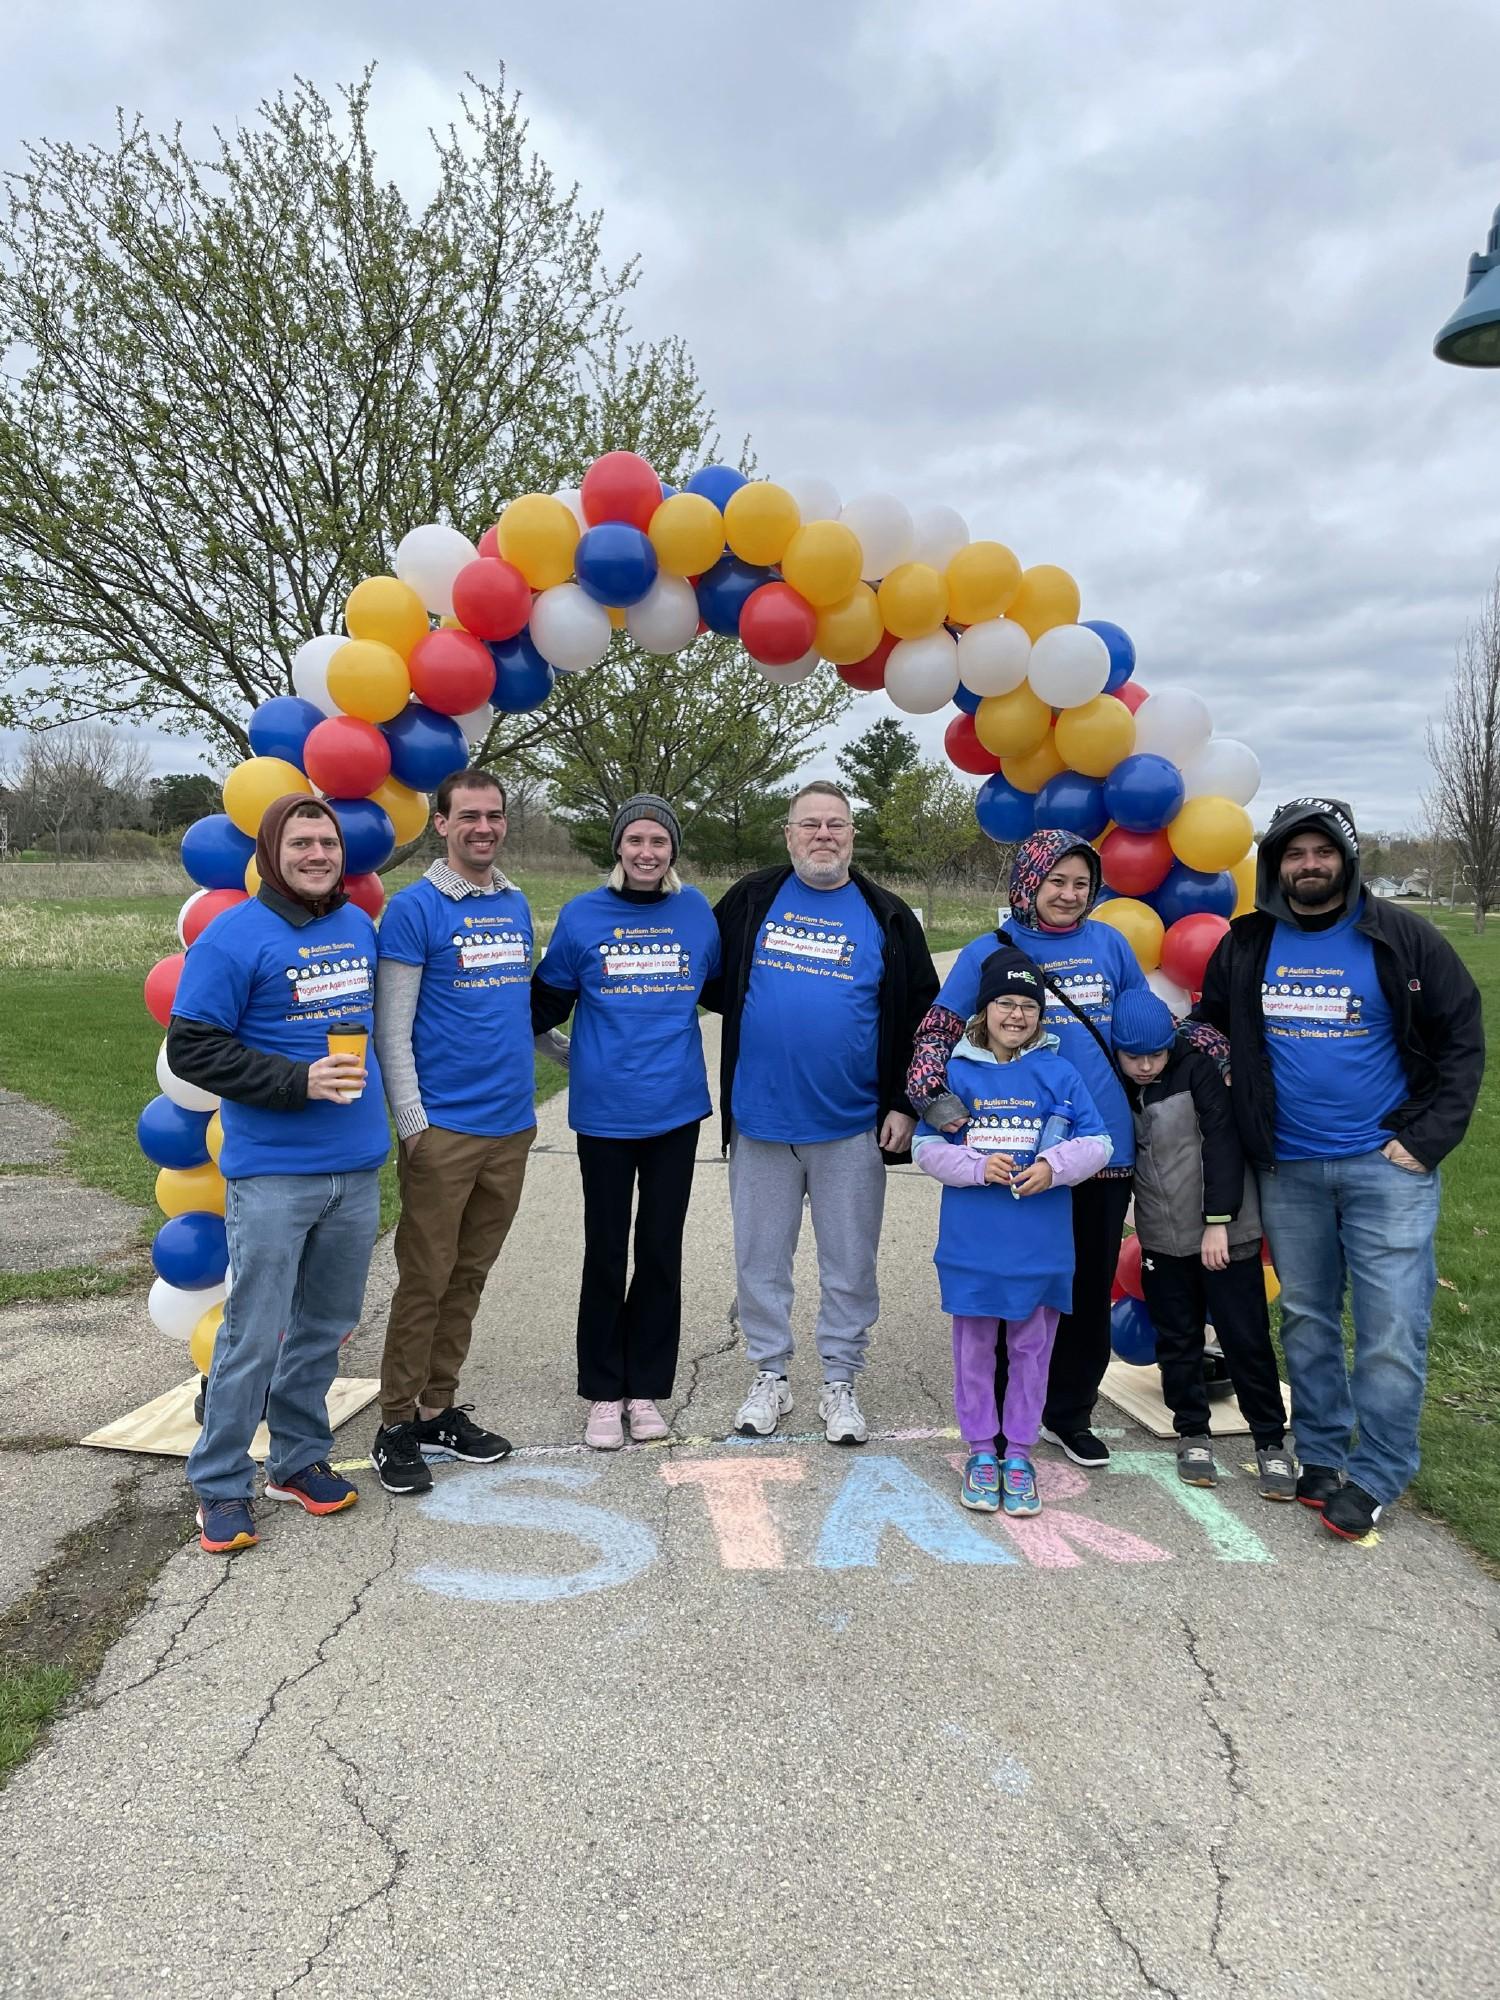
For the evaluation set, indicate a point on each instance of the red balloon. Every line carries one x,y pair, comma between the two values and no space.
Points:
491,599
161,986
1128,1270
621,487
489,542
1131,693
1135,863
777,625
346,757
965,749
1188,946
868,674
367,892
204,910
451,671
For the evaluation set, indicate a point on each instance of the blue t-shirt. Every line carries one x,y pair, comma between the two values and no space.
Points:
1334,1061
279,987
471,1038
997,1254
808,1068
1092,965
636,1066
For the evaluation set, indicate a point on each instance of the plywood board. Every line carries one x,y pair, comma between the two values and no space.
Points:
165,1427
1137,1391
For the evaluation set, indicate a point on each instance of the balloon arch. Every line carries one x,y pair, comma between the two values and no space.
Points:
1048,713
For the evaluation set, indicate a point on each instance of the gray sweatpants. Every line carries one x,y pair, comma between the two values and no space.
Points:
844,1181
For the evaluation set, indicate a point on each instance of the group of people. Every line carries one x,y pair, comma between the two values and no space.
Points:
1332,1062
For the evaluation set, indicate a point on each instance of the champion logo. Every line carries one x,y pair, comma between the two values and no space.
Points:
1413,985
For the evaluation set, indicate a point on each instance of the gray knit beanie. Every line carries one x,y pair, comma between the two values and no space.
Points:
645,805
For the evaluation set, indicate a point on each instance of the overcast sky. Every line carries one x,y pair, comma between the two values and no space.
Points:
1143,290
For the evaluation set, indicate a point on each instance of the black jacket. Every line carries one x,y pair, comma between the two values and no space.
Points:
908,984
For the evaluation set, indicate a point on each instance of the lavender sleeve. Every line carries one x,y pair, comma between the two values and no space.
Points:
1074,1160
954,1166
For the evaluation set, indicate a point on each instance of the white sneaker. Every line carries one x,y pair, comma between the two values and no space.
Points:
843,1420
767,1403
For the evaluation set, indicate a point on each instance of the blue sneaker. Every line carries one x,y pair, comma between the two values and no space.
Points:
318,1488
225,1526
981,1487
1019,1479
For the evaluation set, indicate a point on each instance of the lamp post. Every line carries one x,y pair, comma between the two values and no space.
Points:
1470,337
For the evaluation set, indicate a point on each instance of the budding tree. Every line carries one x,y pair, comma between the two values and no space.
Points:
1464,803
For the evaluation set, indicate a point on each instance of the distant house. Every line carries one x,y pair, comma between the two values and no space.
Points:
1383,885
1414,886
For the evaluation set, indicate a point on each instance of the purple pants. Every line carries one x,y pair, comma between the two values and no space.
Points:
1028,1346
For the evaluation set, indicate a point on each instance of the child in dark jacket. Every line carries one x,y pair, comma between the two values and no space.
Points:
1198,1220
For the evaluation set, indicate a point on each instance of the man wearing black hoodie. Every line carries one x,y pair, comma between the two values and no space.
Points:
1357,1048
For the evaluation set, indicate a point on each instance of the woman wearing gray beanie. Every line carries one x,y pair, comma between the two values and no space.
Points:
629,961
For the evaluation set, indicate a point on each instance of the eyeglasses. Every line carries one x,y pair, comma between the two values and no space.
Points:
812,825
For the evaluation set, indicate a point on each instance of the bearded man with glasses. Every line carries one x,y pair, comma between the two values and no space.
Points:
825,977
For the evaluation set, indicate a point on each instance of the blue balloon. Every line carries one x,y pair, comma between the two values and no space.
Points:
1131,1332
369,837
281,726
1074,803
215,853
191,1250
716,483
425,746
1105,896
523,679
615,563
722,592
1003,812
1121,651
171,1136
1188,892
1143,792
668,492
966,700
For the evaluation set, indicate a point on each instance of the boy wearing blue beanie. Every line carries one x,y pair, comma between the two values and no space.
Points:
1198,1220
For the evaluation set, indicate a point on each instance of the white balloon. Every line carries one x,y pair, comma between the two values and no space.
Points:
188,1095
1222,769
428,558
572,499
666,619
1069,665
921,675
796,670
817,498
175,1313
993,656
938,535
310,670
476,724
182,913
1174,724
1178,999
569,629
885,533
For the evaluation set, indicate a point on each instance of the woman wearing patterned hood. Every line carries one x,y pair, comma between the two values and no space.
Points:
1054,883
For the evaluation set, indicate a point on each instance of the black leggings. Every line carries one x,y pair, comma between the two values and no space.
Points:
1080,1353
1180,1294
628,1336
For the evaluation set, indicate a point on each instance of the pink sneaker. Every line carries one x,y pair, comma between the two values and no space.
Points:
604,1431
646,1421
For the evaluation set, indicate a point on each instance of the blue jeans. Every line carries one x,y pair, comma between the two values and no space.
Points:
1374,1221
299,1254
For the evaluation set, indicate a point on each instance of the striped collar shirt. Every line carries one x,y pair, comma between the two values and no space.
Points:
448,882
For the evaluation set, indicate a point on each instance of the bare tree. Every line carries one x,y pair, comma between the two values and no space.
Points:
1464,803
78,784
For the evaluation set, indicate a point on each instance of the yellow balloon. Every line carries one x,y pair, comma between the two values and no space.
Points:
1008,725
982,579
1211,834
214,1138
204,1334
251,786
407,809
385,609
914,600
1031,770
181,1190
1048,596
1244,884
1272,1284
1139,925
539,534
823,561
1094,736
252,877
760,518
851,629
369,679
687,533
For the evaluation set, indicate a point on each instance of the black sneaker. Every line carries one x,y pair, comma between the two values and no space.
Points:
1351,1513
452,1433
1317,1484
1081,1446
397,1459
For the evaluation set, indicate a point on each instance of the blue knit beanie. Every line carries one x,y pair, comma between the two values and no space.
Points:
1142,1023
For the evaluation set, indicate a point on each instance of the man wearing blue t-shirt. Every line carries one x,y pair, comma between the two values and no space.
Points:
453,1028
1357,1050
825,976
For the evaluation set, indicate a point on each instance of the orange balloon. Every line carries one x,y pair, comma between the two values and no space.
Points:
1008,725
913,600
822,562
1094,736
982,579
369,679
1030,771
1048,596
851,629
1139,925
385,609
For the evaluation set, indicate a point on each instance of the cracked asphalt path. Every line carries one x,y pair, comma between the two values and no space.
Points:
682,1721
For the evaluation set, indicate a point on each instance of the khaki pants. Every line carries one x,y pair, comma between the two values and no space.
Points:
459,1196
